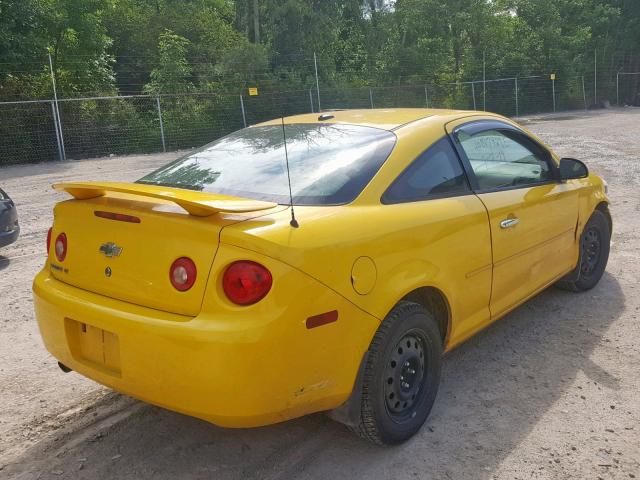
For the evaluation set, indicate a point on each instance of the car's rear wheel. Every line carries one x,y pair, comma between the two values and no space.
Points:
401,375
594,254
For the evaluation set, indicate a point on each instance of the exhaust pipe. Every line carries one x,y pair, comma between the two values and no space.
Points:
64,368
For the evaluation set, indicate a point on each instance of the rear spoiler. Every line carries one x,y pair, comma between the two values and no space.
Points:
200,204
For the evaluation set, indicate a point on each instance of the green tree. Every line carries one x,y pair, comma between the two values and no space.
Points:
173,74
71,31
104,45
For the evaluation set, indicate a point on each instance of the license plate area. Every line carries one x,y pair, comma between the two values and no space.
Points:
93,346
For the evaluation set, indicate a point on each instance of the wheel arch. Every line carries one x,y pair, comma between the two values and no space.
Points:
567,282
604,208
432,299
435,301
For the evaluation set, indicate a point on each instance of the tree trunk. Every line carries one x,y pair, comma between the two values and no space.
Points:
256,22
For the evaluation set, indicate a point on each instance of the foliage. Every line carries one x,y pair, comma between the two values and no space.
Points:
173,72
132,46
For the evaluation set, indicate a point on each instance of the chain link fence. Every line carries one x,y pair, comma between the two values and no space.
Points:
76,128
628,88
27,132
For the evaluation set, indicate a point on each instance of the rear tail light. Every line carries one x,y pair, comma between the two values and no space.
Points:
246,282
183,274
49,240
60,247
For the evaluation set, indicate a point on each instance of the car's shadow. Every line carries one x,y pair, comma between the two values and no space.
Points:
4,262
495,389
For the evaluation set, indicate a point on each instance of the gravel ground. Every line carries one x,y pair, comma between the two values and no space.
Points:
550,391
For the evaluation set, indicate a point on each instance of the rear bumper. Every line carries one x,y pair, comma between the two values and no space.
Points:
235,373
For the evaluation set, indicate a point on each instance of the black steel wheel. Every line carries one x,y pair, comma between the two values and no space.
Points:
401,375
591,247
405,374
594,254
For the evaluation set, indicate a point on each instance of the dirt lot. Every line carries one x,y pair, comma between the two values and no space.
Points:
550,391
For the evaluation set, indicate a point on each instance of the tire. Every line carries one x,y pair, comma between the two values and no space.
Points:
401,375
594,253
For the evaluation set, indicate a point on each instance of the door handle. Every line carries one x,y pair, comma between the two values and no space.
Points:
509,222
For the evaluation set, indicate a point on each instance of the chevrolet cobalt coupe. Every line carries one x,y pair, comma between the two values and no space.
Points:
315,263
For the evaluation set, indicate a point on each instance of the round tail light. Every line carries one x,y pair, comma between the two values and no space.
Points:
49,240
183,274
60,247
246,282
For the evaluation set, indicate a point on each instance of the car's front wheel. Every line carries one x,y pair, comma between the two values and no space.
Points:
401,375
594,254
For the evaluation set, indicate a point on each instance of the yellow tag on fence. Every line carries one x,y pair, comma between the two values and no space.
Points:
253,91
553,76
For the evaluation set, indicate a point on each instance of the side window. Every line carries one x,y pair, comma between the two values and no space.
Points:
505,159
436,172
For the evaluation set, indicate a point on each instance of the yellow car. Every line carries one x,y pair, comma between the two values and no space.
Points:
321,262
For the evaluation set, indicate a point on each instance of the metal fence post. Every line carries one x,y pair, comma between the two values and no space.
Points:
244,117
595,76
517,104
55,126
473,93
584,94
311,100
371,97
484,81
426,97
315,64
164,147
618,88
553,91
57,112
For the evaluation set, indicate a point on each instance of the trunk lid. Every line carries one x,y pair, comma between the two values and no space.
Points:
129,258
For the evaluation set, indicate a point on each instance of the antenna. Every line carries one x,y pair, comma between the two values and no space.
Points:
293,222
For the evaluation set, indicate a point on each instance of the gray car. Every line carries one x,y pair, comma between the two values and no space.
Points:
9,227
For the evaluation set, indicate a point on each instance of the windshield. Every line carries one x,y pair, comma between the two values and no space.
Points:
329,163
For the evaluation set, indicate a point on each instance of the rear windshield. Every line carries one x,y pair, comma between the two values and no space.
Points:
329,163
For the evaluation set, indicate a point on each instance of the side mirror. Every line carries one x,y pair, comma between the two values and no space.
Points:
570,169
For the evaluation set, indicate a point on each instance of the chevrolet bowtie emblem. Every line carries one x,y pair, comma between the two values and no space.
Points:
110,249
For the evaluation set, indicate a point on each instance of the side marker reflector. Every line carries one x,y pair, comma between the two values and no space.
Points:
322,319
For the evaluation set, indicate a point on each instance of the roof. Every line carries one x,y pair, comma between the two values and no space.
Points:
387,118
